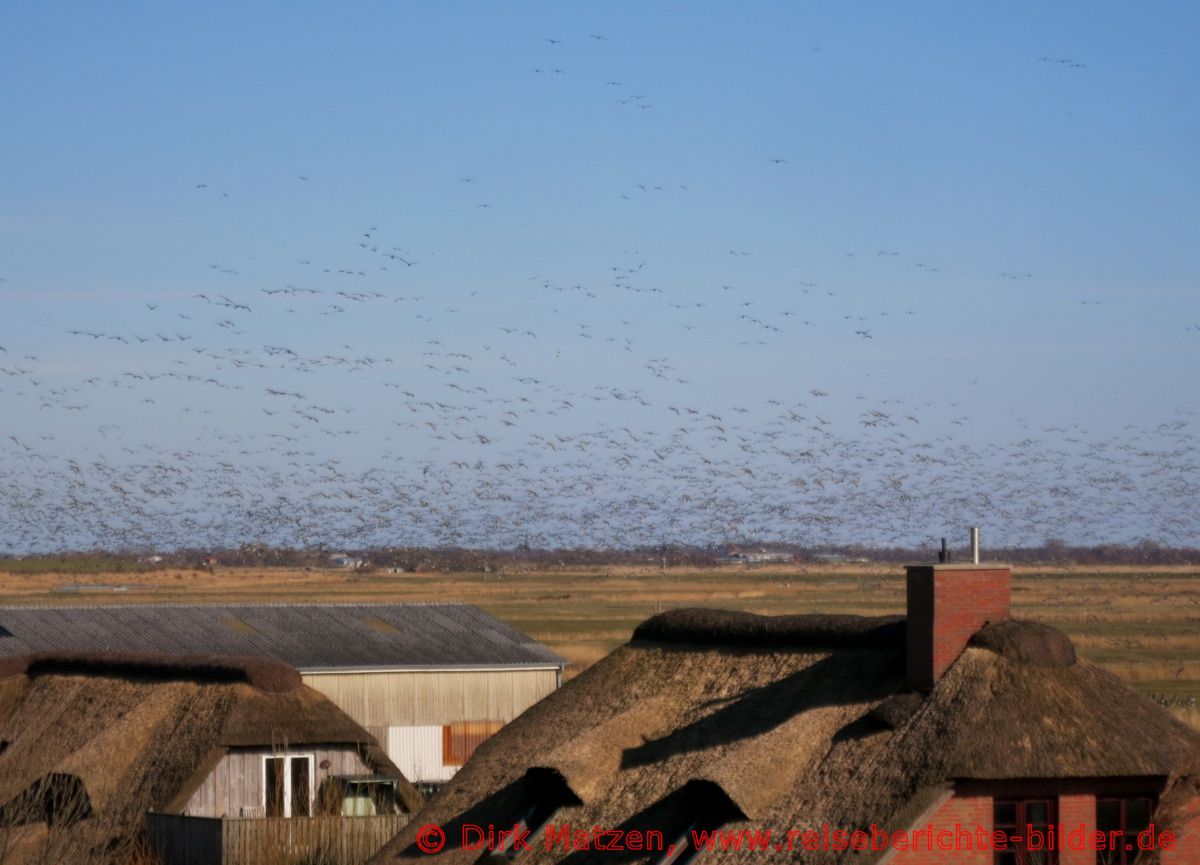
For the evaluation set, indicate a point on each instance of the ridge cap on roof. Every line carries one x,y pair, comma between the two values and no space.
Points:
717,627
267,675
218,604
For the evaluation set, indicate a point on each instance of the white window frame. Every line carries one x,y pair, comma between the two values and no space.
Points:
287,779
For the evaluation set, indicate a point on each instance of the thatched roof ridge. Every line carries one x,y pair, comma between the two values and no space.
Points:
299,717
1027,642
800,735
737,628
139,742
265,674
895,710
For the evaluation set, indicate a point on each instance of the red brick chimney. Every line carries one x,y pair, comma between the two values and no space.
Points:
947,604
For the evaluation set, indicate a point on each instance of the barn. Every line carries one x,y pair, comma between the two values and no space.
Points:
945,736
430,681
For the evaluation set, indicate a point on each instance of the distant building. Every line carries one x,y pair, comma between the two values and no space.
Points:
341,560
429,681
760,556
838,558
195,752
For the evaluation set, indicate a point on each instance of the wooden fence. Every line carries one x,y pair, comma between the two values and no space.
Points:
184,840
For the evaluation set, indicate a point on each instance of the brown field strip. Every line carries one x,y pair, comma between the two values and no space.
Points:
1144,626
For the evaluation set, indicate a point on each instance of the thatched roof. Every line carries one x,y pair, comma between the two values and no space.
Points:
793,722
141,732
1179,807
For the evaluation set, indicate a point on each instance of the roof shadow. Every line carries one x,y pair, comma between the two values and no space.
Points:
698,803
845,677
538,790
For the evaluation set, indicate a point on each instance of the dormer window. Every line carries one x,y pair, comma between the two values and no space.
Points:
544,792
705,808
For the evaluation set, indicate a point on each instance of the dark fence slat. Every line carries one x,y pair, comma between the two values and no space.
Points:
182,840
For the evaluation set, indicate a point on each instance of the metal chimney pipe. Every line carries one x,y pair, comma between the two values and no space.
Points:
975,544
943,553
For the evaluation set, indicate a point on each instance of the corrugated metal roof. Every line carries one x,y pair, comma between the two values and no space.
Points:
310,637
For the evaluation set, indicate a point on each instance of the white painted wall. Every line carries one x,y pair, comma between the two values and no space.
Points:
417,751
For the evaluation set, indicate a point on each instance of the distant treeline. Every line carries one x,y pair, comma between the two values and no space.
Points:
1052,552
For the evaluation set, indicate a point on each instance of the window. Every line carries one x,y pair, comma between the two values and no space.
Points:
1021,820
287,786
358,796
238,626
274,786
1127,817
460,740
300,793
380,625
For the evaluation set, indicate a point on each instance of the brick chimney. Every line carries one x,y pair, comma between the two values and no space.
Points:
947,604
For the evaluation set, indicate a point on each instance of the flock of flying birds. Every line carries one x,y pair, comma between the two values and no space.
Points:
273,408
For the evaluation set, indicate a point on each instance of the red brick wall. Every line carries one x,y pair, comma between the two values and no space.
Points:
946,606
966,811
1075,809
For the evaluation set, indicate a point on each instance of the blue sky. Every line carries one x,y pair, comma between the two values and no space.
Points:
979,218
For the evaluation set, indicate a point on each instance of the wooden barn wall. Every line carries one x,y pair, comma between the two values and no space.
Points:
237,781
415,699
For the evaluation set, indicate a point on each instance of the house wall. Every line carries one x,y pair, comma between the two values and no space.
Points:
236,782
966,811
1076,808
407,710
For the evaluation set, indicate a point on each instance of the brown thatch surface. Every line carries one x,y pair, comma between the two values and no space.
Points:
300,717
1027,642
796,736
895,710
144,741
1179,806
264,674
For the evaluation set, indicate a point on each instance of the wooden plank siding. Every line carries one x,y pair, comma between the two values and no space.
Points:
255,841
408,710
420,698
236,782
418,753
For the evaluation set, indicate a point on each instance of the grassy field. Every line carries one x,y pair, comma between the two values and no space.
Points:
1143,625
